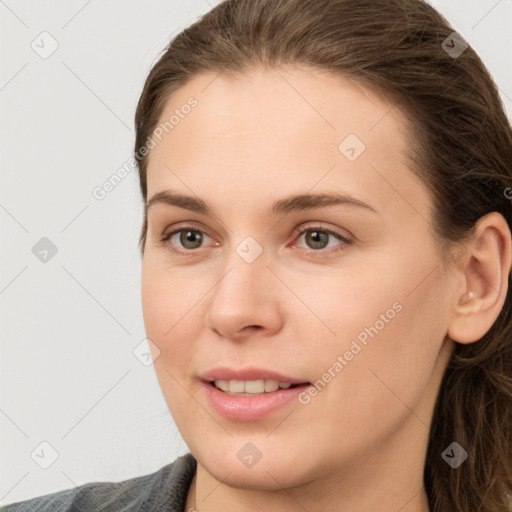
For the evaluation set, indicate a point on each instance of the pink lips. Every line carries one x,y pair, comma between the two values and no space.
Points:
249,408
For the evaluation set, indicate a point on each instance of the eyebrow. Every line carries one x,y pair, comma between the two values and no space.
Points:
297,202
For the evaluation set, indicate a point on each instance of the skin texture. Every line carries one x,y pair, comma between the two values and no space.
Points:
360,444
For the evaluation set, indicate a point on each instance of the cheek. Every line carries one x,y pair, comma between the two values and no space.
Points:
377,339
336,310
170,310
168,297
389,345
171,329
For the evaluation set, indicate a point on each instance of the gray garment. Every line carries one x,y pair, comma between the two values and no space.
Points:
165,490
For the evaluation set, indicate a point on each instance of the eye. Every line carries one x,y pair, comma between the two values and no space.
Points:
318,238
186,238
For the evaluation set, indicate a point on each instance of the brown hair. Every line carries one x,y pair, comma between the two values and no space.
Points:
461,148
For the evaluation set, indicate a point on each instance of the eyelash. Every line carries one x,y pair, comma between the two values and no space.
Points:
297,233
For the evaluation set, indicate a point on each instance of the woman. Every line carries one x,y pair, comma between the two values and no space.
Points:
326,257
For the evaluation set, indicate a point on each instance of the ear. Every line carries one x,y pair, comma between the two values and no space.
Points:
484,271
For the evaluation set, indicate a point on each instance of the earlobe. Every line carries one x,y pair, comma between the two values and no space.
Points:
484,272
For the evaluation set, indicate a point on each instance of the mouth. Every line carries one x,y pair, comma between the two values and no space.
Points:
253,387
252,398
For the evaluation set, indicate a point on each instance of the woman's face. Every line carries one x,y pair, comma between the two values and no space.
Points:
345,296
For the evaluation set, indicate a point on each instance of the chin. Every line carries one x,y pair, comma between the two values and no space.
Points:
272,475
280,464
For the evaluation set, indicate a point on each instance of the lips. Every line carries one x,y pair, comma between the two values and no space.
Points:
243,406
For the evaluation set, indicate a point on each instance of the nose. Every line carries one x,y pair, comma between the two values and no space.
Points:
246,301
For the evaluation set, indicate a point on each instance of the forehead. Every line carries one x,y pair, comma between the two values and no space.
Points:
265,131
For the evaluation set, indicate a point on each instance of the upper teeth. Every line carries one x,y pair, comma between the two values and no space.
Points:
250,386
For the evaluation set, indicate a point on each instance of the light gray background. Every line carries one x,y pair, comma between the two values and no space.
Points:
69,326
